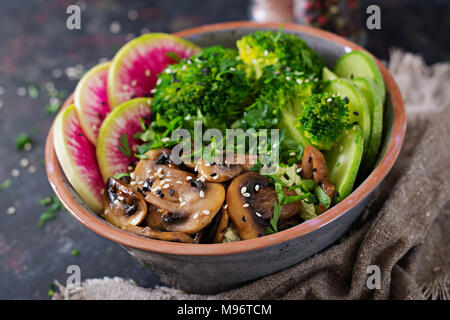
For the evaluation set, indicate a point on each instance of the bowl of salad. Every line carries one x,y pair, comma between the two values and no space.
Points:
224,153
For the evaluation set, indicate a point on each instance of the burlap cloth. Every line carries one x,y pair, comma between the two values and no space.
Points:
405,229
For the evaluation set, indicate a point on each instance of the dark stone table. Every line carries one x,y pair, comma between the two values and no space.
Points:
38,53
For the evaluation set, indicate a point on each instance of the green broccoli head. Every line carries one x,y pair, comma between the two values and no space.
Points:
283,51
211,83
323,119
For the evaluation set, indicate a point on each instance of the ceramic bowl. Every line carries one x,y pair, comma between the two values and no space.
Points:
210,268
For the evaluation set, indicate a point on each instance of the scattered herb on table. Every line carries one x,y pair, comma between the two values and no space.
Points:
22,140
54,205
75,253
5,184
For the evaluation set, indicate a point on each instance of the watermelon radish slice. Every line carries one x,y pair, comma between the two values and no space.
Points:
135,67
116,145
91,100
77,158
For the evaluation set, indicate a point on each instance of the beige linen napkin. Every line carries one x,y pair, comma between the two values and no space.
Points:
405,229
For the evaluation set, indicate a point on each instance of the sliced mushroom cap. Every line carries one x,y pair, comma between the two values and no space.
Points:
123,205
222,225
314,165
189,204
157,160
251,203
222,170
159,235
153,218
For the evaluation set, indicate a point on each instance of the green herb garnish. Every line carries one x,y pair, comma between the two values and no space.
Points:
323,197
22,140
124,146
5,184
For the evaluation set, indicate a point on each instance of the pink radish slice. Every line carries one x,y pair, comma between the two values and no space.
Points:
91,100
124,120
134,69
77,158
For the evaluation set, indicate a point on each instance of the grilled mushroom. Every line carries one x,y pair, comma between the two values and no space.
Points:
222,225
159,235
122,205
153,218
189,203
314,165
251,203
220,170
152,167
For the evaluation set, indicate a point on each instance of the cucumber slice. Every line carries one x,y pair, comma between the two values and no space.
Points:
358,106
327,74
358,64
343,161
368,88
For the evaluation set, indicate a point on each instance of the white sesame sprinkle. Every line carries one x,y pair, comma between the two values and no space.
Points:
329,100
166,186
132,14
27,146
15,173
232,69
195,216
257,187
153,91
243,190
245,205
24,162
266,53
120,198
299,81
11,210
188,178
246,194
258,214
202,194
165,139
288,78
225,206
141,182
216,177
206,212
133,183
179,182
182,204
292,154
158,82
196,168
132,175
207,164
298,170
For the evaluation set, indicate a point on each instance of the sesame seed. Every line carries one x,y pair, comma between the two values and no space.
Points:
166,186
292,154
24,162
299,81
206,212
266,52
288,78
120,198
165,139
179,182
15,173
202,194
195,216
246,194
257,187
188,178
11,210
329,100
258,214
298,170
132,175
182,204
243,190
225,206
245,205
141,182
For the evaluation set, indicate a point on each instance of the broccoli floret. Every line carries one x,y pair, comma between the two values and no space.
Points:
283,51
324,118
211,83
